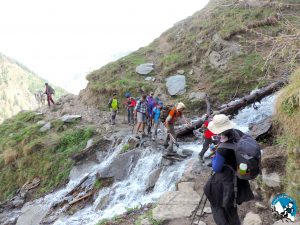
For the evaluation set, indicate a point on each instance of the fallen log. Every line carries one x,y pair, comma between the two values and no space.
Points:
232,107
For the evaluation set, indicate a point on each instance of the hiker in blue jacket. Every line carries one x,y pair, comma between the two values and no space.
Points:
219,189
156,118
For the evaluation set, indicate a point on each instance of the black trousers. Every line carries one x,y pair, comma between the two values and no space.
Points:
207,142
226,216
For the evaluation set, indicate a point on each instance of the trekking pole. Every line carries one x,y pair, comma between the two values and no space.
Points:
197,208
201,214
174,141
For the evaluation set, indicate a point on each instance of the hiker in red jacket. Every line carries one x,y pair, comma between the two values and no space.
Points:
49,92
207,135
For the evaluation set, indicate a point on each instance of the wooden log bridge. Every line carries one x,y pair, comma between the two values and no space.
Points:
233,107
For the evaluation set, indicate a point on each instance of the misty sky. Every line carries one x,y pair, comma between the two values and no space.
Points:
63,40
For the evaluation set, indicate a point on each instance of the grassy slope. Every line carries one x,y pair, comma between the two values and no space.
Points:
288,114
185,46
26,152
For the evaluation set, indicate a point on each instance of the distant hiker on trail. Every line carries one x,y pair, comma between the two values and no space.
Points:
207,135
130,104
151,105
220,188
156,118
49,92
141,112
113,105
173,115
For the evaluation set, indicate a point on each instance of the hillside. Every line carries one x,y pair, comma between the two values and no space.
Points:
226,50
17,87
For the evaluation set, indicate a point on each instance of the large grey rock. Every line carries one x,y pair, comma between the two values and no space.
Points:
252,219
270,179
176,204
121,166
32,214
176,85
153,177
46,127
197,96
70,118
260,128
144,69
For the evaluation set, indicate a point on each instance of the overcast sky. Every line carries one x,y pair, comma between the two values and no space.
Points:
63,40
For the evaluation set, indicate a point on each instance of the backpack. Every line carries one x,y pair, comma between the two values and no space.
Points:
247,151
51,90
165,112
113,103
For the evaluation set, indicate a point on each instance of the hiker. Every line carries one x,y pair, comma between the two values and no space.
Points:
141,113
173,115
207,136
49,92
130,104
156,118
150,104
113,106
219,189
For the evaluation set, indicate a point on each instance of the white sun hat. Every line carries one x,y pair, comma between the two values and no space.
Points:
220,123
180,105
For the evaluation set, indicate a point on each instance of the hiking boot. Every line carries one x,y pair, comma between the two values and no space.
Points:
201,159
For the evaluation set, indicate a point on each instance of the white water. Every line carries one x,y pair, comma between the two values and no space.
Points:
131,192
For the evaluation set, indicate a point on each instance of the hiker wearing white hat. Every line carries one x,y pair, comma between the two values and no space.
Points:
224,189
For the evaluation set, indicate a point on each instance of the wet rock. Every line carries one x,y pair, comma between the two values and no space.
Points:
148,78
32,214
121,165
176,204
133,142
70,118
270,179
252,219
186,186
176,85
46,127
260,128
181,72
187,152
18,202
41,123
103,202
153,177
197,96
144,69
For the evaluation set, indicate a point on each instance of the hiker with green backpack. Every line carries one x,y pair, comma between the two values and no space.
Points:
236,161
113,106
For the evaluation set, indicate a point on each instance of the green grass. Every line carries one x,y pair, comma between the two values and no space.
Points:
39,154
98,184
125,148
149,216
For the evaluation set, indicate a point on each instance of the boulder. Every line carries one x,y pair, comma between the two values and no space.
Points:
121,166
260,128
18,202
46,127
186,186
176,204
70,118
32,214
153,177
274,159
197,96
133,142
144,69
148,78
252,219
176,85
270,179
187,152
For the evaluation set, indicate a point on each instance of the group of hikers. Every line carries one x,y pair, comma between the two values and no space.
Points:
149,112
228,186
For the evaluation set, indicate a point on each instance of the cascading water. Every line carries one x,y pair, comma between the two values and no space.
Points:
131,191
